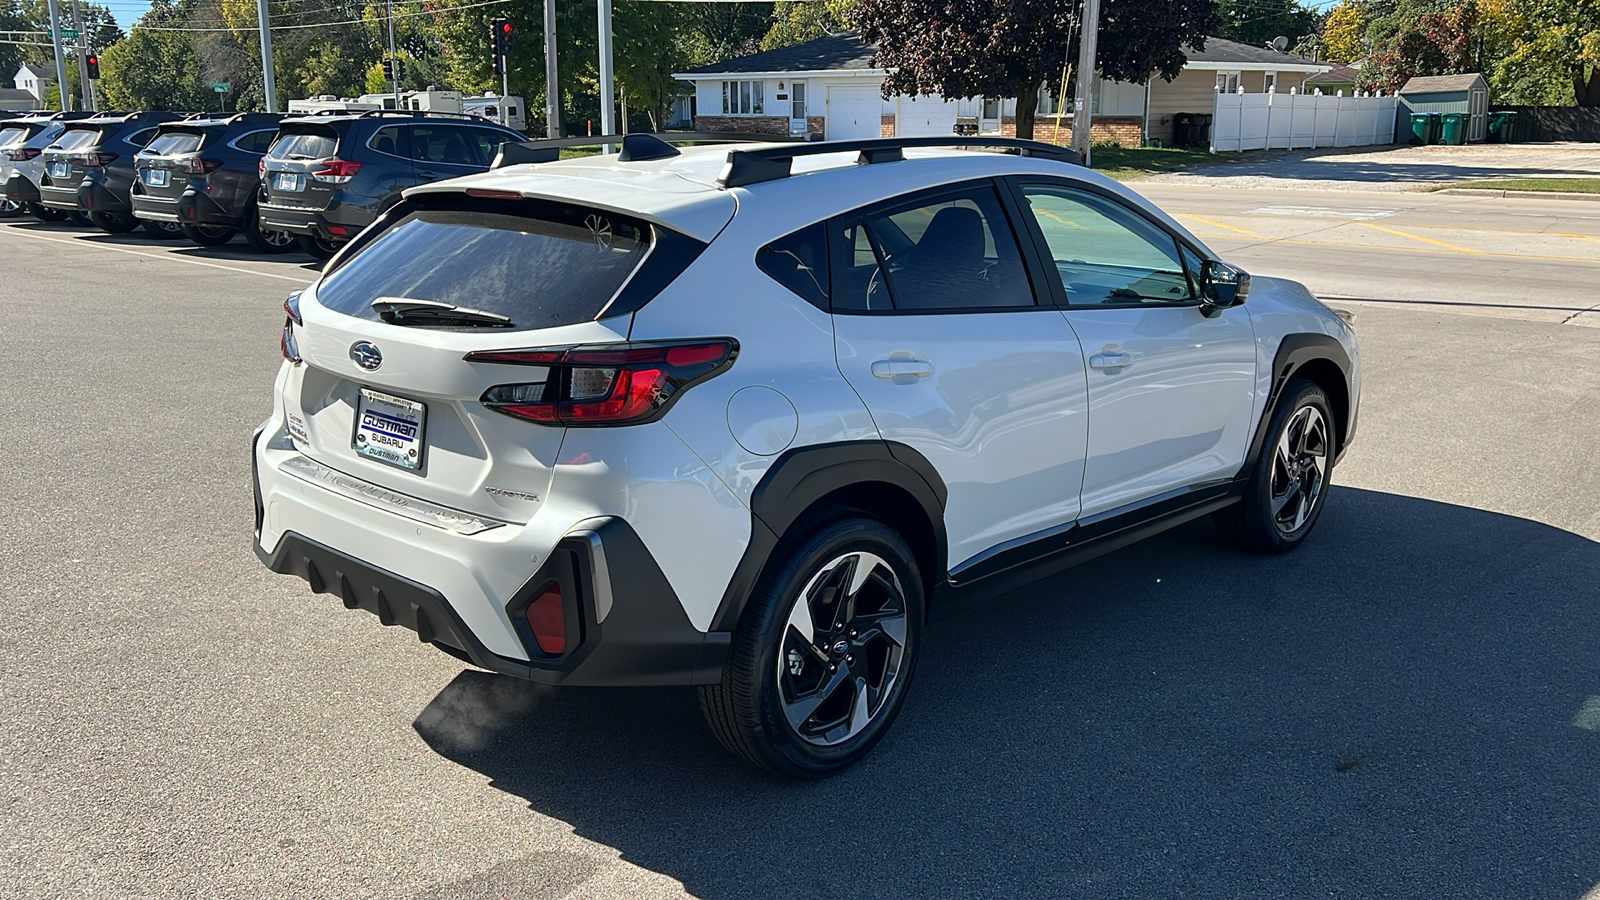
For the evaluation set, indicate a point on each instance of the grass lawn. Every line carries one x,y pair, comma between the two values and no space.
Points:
1130,163
1574,185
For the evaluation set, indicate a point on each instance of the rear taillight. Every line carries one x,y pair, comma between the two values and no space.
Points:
337,171
547,618
22,155
97,159
198,166
608,384
261,167
289,346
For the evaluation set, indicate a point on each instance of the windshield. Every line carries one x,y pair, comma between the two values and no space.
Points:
77,140
557,265
304,146
173,144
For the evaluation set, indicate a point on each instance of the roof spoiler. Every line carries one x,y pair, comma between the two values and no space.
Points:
774,163
637,147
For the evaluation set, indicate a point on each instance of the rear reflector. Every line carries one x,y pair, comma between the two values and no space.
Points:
604,384
548,619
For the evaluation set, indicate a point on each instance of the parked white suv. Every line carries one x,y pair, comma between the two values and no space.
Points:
745,418
22,143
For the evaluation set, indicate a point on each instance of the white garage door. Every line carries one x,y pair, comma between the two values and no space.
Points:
925,117
854,113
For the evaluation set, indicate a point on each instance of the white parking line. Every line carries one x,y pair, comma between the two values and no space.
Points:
76,242
1324,212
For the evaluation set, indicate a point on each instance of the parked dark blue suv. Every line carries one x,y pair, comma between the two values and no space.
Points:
329,176
200,177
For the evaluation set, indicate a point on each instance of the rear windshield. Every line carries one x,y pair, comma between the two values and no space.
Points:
78,139
304,146
12,135
173,144
560,268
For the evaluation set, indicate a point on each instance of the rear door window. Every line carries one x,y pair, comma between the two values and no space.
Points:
141,137
257,142
488,143
174,144
391,139
555,265
304,145
444,144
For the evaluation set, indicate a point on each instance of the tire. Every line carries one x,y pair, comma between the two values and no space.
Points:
164,231
1286,493
9,208
113,223
807,706
320,247
44,213
209,235
265,241
83,218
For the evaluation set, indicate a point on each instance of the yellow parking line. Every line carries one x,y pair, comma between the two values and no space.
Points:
1223,226
1417,237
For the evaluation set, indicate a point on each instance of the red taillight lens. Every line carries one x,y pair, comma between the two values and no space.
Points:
99,159
337,171
547,617
292,307
622,384
261,167
198,166
23,155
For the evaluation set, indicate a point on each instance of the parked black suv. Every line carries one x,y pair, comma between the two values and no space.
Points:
199,177
90,167
329,176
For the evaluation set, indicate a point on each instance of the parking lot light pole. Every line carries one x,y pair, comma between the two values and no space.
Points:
83,57
61,59
268,83
552,90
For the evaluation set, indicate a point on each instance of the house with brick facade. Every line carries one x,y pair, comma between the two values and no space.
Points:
829,86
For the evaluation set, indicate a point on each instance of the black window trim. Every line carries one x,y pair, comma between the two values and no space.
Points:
404,128
1014,185
244,134
1042,296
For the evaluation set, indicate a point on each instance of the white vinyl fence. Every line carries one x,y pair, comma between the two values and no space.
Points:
1296,121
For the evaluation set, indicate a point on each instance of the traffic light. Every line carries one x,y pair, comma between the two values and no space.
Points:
391,68
503,34
93,61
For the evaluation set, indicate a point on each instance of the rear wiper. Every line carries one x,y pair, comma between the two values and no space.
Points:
405,311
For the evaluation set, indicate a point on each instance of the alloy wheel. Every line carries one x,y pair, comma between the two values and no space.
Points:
278,239
1299,469
840,658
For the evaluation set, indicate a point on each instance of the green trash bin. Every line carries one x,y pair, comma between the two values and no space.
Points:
1454,130
1509,129
1421,128
1496,132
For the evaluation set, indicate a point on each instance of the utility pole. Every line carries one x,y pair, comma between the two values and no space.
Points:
552,88
83,58
61,59
394,61
269,85
608,115
1087,73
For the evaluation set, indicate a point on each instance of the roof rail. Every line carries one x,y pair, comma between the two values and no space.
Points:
412,113
773,163
636,147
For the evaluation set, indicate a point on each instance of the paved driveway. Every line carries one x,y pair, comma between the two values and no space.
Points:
1392,168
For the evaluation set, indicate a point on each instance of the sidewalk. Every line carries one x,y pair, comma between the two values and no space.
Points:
1398,168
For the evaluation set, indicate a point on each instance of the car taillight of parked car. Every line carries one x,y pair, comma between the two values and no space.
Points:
95,159
338,171
288,344
22,155
598,385
198,166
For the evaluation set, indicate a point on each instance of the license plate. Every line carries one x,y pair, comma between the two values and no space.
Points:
156,177
288,181
60,170
390,429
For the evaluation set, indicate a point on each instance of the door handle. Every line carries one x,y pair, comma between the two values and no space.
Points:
1113,359
902,363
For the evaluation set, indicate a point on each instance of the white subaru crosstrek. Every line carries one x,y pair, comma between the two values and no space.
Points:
746,417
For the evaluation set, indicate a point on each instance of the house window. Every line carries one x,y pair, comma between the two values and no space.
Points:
1269,82
742,98
1049,100
1228,82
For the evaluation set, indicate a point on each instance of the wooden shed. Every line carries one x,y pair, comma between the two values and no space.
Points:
1448,94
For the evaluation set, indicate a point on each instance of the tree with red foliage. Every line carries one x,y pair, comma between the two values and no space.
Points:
1439,44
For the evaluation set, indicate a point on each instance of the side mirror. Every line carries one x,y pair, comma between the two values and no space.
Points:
1221,286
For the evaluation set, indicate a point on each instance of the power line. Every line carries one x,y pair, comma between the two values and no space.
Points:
375,21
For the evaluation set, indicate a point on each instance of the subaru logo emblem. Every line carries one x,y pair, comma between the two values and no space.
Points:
366,355
840,647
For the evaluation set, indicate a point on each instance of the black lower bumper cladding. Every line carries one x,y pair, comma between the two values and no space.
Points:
644,639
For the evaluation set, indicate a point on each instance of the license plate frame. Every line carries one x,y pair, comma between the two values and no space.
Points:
390,429
60,170
288,181
156,177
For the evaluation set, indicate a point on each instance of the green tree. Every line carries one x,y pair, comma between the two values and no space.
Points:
1258,22
1551,50
796,21
1011,48
154,69
1344,32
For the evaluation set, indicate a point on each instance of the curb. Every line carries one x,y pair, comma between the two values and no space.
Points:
1519,195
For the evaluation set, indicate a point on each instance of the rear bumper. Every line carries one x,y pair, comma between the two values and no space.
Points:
20,189
464,593
342,219
193,208
60,198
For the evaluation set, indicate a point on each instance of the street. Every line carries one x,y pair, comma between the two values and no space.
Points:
1407,706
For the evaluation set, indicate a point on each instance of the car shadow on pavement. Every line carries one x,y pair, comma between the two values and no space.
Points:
1408,706
1380,165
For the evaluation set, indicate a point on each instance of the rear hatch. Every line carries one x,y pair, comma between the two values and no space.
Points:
302,169
74,153
165,164
386,392
12,136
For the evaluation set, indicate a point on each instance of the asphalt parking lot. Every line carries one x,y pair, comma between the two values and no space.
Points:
1408,706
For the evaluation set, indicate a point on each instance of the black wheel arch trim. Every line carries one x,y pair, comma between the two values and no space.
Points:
1294,352
802,476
